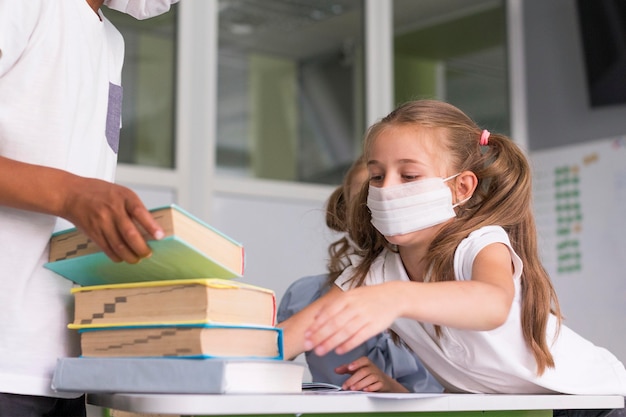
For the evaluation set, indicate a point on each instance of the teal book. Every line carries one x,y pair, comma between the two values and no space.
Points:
190,249
182,340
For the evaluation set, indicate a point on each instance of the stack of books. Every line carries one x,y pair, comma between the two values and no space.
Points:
176,322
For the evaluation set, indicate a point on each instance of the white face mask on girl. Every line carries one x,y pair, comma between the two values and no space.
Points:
411,206
140,9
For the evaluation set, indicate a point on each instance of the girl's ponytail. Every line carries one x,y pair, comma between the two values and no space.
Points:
505,198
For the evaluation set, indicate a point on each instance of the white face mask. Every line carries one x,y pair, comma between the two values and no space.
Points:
410,207
140,9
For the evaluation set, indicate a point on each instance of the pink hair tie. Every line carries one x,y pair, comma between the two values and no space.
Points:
484,138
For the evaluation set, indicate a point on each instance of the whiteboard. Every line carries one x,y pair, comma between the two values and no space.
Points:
580,210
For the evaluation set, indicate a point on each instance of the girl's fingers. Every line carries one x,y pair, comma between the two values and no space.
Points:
355,383
371,384
365,382
357,338
344,322
342,339
326,328
359,363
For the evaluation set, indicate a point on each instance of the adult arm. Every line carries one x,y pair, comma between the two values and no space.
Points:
108,213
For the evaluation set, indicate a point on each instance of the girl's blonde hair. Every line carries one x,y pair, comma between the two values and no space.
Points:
337,220
502,197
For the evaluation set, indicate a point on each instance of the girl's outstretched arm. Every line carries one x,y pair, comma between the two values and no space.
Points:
295,326
483,303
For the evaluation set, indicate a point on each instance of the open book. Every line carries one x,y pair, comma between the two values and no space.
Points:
320,386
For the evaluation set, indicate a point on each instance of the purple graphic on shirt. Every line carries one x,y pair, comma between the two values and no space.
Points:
114,116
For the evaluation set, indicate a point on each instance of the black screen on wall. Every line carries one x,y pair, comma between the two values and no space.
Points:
603,34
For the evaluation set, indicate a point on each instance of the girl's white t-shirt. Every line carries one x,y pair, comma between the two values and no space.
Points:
498,361
60,106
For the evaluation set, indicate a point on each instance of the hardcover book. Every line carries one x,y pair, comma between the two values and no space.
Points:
183,340
170,302
177,376
190,249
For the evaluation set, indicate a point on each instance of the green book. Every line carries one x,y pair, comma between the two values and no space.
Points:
190,249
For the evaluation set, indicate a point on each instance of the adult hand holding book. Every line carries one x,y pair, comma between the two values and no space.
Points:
112,216
189,248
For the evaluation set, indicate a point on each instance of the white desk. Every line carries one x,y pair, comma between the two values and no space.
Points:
336,403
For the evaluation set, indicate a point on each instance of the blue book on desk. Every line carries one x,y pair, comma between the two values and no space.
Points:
177,376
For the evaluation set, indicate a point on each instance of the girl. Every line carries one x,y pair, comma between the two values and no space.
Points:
450,264
379,364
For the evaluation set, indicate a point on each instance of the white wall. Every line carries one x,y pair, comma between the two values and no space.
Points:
559,116
284,239
557,106
582,241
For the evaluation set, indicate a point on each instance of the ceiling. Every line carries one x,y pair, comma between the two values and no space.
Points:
297,29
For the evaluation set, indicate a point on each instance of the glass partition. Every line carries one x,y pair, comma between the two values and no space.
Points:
290,87
291,80
454,50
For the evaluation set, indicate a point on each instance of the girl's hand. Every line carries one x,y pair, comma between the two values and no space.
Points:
349,319
368,377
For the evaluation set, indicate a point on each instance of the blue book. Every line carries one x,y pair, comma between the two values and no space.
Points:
177,376
190,249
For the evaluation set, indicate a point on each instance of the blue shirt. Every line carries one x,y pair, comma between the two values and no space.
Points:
399,362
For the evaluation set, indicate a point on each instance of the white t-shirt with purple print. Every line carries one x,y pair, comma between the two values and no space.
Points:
60,106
